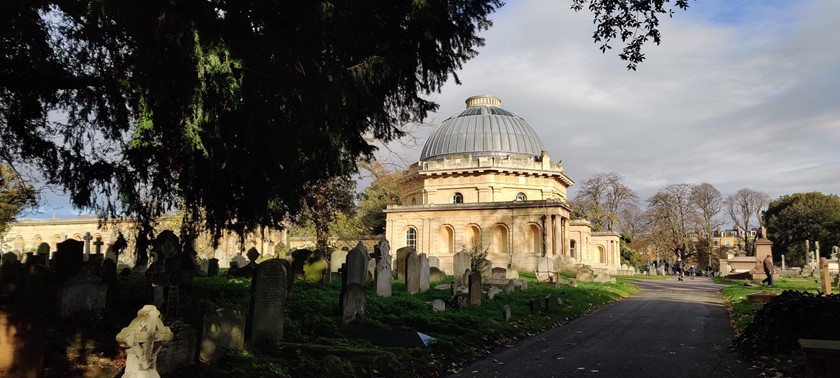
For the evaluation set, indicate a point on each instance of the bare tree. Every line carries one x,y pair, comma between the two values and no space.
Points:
708,203
742,206
601,197
632,220
671,217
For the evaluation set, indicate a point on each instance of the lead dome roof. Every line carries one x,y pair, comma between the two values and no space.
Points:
483,129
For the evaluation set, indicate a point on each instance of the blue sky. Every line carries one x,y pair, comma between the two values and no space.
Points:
739,94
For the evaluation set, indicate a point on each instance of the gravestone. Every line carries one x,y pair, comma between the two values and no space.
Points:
371,270
356,266
509,287
412,272
825,278
8,257
68,258
550,304
212,267
37,288
82,295
337,258
491,293
221,329
475,289
97,246
108,274
383,275
163,274
506,313
268,299
290,278
434,262
424,273
584,274
499,272
299,257
43,249
400,261
354,271
316,270
461,262
602,277
438,305
352,303
87,238
545,269
180,350
535,306
252,255
436,276
142,340
240,261
23,342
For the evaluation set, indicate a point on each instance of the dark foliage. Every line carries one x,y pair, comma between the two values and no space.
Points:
788,317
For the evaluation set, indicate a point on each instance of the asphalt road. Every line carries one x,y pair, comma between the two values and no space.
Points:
669,329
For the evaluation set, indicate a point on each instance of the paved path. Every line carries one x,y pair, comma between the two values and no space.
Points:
669,329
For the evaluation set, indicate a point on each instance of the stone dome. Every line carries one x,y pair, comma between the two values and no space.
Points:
483,129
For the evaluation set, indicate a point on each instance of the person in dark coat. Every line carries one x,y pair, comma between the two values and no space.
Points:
769,270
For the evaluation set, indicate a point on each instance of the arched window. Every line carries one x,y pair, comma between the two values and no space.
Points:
572,248
521,197
411,238
458,198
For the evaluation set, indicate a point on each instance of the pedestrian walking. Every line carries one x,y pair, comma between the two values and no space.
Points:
678,271
691,272
769,270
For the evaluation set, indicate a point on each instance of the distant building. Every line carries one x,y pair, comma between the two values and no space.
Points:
484,179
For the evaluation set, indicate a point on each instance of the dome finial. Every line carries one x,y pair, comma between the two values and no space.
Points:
483,100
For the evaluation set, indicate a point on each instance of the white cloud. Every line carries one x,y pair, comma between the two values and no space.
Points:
744,95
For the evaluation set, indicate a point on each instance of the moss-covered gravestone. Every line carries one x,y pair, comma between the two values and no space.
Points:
268,299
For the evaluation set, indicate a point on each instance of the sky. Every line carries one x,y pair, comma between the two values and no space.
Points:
740,94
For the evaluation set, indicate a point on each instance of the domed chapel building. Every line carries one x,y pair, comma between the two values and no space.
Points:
485,179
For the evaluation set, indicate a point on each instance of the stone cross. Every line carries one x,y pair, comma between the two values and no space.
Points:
817,250
98,244
88,237
142,340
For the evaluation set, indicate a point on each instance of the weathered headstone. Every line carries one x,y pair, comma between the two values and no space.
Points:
240,261
399,262
180,351
412,272
337,258
825,278
461,261
68,257
352,302
475,289
212,267
424,273
492,291
82,295
506,313
602,277
356,266
163,274
438,305
535,306
584,274
142,340
499,272
509,287
43,249
545,269
383,275
316,269
434,262
222,329
550,304
87,238
435,275
268,299
299,257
